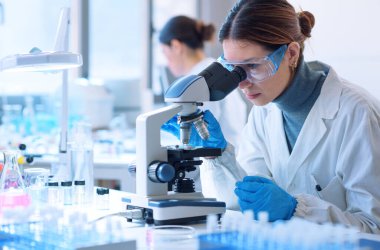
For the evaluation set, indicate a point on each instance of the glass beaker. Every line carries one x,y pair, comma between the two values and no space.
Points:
35,182
36,176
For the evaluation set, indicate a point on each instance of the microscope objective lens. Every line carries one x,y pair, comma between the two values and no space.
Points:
201,128
185,132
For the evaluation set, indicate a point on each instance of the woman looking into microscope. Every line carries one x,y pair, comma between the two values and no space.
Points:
311,147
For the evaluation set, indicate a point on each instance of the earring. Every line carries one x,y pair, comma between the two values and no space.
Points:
293,66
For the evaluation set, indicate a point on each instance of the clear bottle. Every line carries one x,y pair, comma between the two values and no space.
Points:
54,193
81,157
102,198
67,189
79,192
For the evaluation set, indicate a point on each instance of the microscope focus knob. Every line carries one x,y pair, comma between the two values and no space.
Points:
161,172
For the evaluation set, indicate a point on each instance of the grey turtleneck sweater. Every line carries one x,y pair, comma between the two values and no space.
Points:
298,99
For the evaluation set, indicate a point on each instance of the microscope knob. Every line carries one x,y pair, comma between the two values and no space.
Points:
161,172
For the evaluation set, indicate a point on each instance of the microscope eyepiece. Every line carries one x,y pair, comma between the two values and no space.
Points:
240,73
221,81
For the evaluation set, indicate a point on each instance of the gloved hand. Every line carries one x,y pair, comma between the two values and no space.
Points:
216,139
261,194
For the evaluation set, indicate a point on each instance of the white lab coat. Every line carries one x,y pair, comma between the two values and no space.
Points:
338,149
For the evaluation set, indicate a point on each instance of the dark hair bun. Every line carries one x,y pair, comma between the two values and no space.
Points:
306,21
207,31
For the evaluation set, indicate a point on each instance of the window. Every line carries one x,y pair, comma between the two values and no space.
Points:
22,28
116,39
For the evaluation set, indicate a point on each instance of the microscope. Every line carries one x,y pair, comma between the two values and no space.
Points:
159,168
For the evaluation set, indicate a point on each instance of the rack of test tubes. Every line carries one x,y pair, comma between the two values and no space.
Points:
240,231
55,229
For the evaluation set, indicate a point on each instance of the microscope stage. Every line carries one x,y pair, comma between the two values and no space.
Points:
174,211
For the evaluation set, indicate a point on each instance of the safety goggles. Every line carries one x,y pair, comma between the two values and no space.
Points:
258,69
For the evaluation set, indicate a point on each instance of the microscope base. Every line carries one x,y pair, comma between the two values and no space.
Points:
172,211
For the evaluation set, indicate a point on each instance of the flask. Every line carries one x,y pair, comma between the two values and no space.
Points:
81,157
11,178
12,187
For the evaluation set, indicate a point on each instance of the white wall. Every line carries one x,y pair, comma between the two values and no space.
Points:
346,36
209,15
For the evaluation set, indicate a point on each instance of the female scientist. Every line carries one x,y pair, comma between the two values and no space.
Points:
182,41
311,147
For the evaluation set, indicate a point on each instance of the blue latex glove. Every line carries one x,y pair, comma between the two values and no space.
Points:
261,194
216,139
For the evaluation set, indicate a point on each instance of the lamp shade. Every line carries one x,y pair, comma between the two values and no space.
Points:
41,61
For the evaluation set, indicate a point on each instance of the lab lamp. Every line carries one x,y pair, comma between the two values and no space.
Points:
53,61
40,61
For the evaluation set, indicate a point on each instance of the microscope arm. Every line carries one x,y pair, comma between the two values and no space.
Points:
149,149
